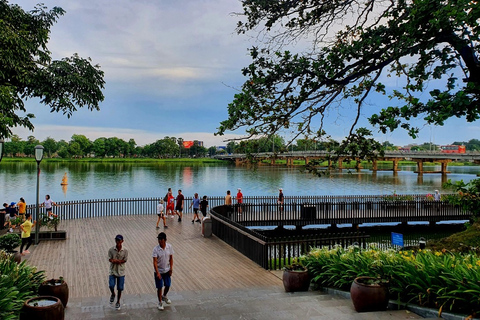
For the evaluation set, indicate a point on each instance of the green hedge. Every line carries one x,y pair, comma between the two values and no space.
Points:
18,283
435,279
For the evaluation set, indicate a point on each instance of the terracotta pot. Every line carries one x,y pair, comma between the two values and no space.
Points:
296,280
16,256
368,296
55,287
43,308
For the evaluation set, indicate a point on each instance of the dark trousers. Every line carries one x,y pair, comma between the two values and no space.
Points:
28,241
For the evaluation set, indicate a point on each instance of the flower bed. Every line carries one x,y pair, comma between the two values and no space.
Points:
434,279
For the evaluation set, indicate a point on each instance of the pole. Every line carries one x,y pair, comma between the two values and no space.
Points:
37,217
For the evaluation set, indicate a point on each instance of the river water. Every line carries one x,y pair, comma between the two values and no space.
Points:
131,180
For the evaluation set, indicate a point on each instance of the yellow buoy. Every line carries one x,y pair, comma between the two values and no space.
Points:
64,180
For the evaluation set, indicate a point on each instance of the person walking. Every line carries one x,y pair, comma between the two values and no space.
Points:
22,208
26,228
163,268
437,196
196,206
179,205
117,256
239,200
161,214
204,206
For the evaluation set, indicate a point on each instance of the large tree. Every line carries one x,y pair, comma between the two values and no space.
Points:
28,71
355,44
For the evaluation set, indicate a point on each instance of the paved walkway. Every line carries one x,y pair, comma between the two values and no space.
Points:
224,304
210,280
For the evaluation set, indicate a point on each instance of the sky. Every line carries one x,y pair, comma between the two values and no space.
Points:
171,69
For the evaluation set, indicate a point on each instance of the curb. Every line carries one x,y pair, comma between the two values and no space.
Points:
394,305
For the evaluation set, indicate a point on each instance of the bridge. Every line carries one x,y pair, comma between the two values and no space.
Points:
420,157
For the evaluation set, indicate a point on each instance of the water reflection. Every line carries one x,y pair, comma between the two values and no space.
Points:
126,180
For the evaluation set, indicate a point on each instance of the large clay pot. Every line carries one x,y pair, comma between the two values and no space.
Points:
368,294
55,287
43,308
296,280
16,256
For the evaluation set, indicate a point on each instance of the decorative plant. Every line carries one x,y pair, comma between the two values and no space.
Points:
19,282
294,267
436,279
49,223
397,197
429,197
370,281
9,242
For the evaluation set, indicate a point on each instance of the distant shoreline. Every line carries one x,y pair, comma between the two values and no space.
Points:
120,160
208,160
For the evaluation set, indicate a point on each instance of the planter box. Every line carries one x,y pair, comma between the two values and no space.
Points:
51,235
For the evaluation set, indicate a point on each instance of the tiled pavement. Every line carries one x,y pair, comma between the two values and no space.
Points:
226,304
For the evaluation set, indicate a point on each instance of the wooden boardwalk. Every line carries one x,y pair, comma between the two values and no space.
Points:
199,263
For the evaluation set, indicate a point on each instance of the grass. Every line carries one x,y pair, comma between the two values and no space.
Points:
464,241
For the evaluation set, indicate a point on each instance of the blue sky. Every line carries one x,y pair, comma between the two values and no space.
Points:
171,68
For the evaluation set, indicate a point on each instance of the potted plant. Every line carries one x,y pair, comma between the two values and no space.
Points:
9,242
55,287
42,307
369,294
296,278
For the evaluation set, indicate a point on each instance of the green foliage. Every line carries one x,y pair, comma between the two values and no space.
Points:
436,279
18,283
51,224
10,241
415,41
468,196
399,197
28,71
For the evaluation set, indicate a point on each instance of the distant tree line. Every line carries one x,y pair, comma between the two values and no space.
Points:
170,147
80,147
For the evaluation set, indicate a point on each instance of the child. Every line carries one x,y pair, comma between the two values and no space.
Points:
160,214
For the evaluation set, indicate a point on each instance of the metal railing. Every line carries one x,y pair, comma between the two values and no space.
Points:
295,210
274,252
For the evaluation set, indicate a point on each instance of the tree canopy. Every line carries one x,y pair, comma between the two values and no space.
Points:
355,45
28,71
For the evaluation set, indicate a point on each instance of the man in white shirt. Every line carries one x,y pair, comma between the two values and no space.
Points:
163,267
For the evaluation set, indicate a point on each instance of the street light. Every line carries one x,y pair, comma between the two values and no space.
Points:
1,149
38,158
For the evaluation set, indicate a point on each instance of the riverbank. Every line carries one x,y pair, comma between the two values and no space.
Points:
118,160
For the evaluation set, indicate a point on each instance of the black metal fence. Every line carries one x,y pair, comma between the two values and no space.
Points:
274,253
295,210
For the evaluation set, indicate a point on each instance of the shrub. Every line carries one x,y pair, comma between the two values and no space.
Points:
437,279
18,282
9,242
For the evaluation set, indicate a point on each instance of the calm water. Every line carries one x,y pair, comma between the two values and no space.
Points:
119,180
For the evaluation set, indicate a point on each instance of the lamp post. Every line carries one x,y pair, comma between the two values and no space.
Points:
1,149
38,158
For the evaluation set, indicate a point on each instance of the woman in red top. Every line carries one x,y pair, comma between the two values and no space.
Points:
170,203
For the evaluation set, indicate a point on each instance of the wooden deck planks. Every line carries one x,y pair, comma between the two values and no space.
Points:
199,263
